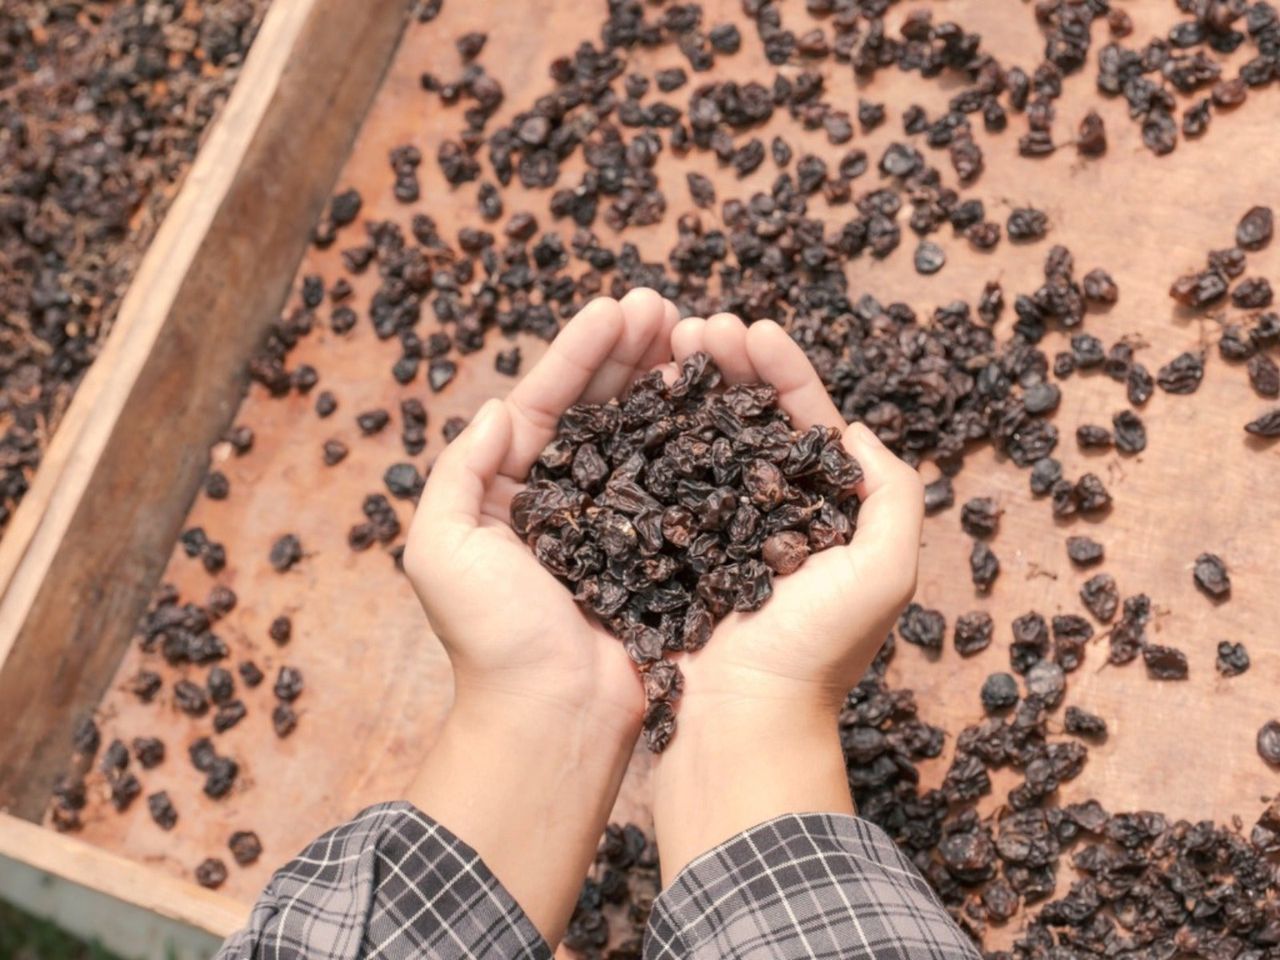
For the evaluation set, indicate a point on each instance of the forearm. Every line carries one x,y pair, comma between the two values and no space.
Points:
529,785
737,763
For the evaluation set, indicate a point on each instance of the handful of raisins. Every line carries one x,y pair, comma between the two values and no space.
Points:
672,506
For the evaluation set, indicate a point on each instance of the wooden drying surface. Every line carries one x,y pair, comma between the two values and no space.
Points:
118,478
378,683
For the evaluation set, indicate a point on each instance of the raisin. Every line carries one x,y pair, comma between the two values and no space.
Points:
285,552
984,566
1027,224
288,684
1255,228
1092,437
228,715
1130,432
245,847
1210,575
281,630
1082,723
1100,596
283,719
1091,138
220,684
1182,374
1084,551
1164,663
938,495
1264,375
1091,495
250,674
922,627
929,258
1269,742
999,692
980,517
1267,425
372,421
216,485
1233,659
162,810
973,633
211,873
190,698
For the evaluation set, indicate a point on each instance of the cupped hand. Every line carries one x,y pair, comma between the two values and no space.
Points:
815,637
508,626
758,737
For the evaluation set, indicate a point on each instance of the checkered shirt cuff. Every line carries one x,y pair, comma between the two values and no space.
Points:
389,883
807,887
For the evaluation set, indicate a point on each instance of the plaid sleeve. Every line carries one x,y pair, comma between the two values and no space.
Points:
809,886
390,883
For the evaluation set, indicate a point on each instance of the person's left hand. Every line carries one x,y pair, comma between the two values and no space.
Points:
508,626
547,705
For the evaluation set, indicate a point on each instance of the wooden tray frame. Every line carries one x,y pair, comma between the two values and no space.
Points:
83,553
165,386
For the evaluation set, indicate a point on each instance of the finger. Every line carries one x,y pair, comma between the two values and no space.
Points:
497,499
779,360
660,349
453,500
892,512
558,380
850,591
687,337
726,341
643,315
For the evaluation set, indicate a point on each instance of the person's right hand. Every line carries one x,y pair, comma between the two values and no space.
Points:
758,714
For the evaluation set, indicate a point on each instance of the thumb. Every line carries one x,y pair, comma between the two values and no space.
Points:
454,495
847,598
856,589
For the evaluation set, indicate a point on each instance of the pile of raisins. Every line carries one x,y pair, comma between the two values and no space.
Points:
103,111
670,507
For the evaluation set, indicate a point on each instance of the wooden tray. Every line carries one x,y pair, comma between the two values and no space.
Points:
88,546
86,549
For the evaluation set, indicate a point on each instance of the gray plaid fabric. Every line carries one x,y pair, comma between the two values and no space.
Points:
390,883
804,886
394,883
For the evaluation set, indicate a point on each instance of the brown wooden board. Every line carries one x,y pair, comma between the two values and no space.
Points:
378,684
85,549
82,556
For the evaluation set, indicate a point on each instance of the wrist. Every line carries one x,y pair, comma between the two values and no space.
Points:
594,691
563,728
745,691
739,761
528,781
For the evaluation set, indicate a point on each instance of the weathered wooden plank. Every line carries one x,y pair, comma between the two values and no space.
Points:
117,877
90,540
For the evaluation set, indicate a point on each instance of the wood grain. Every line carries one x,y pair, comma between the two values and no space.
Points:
116,876
378,683
86,548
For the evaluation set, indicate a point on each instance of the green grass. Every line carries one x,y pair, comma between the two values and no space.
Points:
24,937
